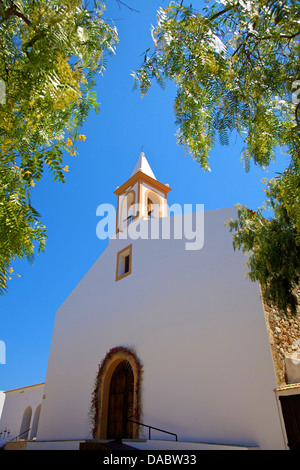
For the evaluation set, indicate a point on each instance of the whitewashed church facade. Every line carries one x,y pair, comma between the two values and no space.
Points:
158,332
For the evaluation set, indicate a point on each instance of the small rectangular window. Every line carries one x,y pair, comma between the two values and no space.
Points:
124,262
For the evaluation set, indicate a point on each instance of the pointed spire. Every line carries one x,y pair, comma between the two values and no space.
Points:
143,165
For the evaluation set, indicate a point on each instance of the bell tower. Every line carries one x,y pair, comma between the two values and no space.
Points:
140,196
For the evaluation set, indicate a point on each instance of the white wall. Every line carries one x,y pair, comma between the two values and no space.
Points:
2,399
16,402
197,325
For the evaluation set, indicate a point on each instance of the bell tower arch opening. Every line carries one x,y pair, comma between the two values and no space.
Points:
127,209
153,204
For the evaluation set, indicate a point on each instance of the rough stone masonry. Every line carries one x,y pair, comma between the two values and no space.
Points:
284,334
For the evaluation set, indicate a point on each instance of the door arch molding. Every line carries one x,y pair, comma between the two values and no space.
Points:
100,399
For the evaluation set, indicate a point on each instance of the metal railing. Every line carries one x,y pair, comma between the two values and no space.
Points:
5,438
24,432
4,432
152,427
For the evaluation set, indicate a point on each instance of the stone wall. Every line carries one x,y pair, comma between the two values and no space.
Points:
16,445
284,334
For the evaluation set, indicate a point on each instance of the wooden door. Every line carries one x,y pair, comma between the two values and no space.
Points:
290,406
120,405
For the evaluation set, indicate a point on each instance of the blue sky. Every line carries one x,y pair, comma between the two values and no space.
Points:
114,138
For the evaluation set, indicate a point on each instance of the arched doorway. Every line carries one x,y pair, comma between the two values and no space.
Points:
117,387
35,422
120,406
25,425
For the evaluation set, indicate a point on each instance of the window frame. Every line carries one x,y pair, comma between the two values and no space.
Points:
123,253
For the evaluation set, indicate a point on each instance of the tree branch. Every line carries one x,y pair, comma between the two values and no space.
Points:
119,2
13,11
220,13
284,36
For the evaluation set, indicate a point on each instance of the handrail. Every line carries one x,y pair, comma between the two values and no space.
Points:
152,427
12,439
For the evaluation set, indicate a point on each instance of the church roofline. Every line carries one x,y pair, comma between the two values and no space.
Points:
23,388
140,175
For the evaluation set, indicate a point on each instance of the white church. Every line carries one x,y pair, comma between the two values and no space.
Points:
167,344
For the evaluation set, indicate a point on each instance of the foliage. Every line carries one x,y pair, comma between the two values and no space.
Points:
236,68
50,54
273,248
